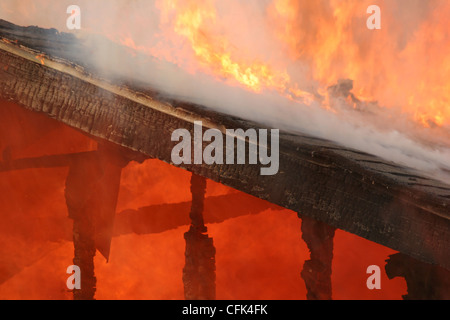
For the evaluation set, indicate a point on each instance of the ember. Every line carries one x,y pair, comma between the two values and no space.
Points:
40,57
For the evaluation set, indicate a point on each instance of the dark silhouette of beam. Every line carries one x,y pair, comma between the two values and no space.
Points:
199,273
166,216
51,161
317,271
92,188
424,281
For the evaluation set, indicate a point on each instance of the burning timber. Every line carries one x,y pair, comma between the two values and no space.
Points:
344,188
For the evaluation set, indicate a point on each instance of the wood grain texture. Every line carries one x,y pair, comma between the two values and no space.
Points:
347,189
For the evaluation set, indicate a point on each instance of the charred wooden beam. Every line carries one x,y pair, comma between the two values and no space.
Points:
78,193
317,271
84,253
199,273
167,216
92,188
53,161
376,199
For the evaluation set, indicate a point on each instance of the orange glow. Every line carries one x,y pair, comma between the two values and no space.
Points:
192,21
259,255
40,57
333,40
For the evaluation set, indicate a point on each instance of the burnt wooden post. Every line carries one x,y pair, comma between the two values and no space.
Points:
317,271
92,188
199,273
424,281
79,192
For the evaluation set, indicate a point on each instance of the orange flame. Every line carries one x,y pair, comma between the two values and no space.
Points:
404,66
333,40
40,57
192,21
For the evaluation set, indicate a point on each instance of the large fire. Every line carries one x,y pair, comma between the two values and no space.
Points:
297,48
